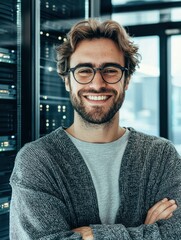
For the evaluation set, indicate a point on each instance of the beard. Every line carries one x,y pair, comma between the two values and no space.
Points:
97,114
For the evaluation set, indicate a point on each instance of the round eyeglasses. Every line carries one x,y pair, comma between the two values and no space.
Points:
111,73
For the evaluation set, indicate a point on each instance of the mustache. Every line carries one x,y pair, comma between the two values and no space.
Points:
101,90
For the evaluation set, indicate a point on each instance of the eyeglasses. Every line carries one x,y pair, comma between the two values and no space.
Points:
111,73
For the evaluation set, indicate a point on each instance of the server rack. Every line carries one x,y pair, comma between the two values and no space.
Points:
9,99
56,19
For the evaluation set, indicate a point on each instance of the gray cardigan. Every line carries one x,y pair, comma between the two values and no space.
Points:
53,192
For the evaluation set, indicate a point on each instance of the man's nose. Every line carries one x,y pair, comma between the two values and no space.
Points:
98,80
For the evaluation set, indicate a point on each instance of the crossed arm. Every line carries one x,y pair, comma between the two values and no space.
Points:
161,210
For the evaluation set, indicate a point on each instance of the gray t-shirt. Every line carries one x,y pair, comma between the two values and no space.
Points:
104,161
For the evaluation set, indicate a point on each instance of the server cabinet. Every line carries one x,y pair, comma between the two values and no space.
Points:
9,100
56,19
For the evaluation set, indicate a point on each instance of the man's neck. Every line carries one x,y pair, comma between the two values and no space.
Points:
97,133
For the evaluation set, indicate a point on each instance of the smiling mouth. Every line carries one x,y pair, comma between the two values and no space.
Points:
97,98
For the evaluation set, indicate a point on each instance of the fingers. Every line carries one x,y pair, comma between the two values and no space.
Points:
171,214
165,213
86,232
162,210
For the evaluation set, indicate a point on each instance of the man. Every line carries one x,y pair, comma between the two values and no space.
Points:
95,179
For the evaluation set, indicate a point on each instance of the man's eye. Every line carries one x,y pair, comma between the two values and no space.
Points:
110,70
84,70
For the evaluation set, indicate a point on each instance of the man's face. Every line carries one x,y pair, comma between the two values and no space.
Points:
96,102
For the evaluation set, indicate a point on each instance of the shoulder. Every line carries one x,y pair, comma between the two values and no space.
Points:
46,144
152,146
143,139
40,156
35,148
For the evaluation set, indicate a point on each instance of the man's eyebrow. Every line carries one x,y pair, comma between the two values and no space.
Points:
110,63
88,64
84,65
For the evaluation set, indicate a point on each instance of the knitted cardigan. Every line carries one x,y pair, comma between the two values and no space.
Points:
53,192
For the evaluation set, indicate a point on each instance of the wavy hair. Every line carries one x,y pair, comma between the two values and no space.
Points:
91,29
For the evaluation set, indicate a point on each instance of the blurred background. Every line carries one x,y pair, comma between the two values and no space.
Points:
33,100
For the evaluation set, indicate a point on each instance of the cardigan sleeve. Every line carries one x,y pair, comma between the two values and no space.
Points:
38,208
169,186
28,216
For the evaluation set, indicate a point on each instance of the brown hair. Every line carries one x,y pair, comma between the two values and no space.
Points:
90,29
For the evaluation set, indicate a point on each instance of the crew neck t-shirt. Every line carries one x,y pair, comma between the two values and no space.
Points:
103,161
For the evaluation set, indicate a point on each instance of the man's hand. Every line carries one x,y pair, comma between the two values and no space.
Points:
161,210
86,232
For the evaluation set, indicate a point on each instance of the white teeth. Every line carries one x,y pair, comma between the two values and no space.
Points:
97,98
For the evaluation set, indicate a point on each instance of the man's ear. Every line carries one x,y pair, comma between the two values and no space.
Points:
67,84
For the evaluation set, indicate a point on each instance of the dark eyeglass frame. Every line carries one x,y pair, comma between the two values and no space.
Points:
123,69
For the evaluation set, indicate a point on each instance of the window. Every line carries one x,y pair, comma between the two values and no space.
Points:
141,107
175,91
